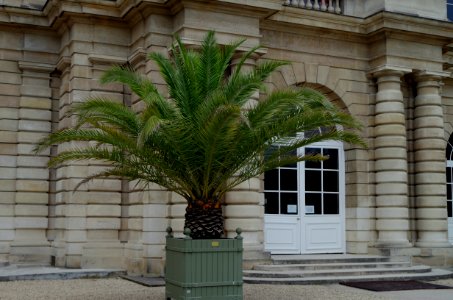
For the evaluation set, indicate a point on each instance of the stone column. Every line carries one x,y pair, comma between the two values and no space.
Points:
32,183
392,212
429,148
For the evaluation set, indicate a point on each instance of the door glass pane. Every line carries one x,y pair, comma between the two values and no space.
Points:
271,203
313,181
331,204
330,181
449,191
313,204
312,164
288,180
332,162
450,209
288,203
271,180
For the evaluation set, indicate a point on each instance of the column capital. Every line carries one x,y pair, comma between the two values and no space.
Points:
424,75
386,70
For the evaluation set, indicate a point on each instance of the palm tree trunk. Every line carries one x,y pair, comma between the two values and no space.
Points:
204,223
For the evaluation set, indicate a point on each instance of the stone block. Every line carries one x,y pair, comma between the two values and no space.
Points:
8,125
32,173
154,237
74,223
243,197
7,173
8,149
250,224
30,222
6,235
9,113
35,126
34,102
177,210
103,210
35,114
32,161
7,222
155,224
135,224
100,235
103,223
243,211
72,210
7,185
9,137
31,210
155,210
135,210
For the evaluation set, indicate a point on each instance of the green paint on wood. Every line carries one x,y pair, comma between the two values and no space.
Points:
203,269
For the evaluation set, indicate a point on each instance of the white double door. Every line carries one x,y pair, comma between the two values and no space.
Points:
304,204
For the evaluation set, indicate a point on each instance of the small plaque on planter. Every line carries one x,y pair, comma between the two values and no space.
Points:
215,244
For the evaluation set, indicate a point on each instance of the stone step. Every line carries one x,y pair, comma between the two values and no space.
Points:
335,272
333,258
13,272
434,274
331,266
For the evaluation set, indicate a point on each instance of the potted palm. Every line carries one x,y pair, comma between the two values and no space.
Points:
204,138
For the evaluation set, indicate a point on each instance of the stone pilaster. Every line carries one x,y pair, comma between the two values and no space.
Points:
245,204
32,180
392,212
10,83
429,148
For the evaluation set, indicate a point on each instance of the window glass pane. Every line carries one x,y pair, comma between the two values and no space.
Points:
271,203
271,180
332,162
449,191
313,204
312,164
331,204
313,180
288,180
330,181
450,209
288,203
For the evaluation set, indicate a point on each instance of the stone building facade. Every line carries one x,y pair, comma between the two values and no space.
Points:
388,63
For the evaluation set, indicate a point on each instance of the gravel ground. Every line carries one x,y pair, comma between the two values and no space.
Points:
123,289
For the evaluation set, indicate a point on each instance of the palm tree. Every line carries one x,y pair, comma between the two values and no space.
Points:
205,138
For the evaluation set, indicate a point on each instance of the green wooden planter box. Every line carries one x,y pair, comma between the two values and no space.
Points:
203,269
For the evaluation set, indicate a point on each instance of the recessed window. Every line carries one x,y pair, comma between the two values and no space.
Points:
450,10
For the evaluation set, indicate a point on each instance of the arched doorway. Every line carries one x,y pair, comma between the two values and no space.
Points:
449,172
305,204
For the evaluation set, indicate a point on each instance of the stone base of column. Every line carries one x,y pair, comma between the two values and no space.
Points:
433,244
393,244
105,254
254,255
34,252
134,260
